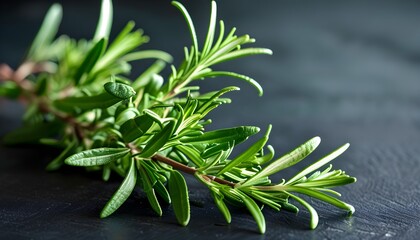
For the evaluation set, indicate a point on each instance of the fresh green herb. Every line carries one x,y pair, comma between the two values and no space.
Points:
148,129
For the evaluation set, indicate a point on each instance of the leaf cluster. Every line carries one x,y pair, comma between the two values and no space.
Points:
150,128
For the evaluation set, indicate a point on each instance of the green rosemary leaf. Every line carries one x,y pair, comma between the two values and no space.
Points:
149,180
265,200
235,177
97,156
236,75
180,116
314,215
59,161
218,200
148,176
111,59
158,141
123,192
314,175
322,196
237,134
289,207
327,190
328,174
231,196
90,60
123,34
179,195
134,128
10,90
106,172
221,35
327,182
319,163
203,108
156,118
31,116
211,30
119,90
105,21
32,133
190,132
227,46
213,106
145,54
189,123
190,106
126,115
212,150
214,160
254,210
102,100
241,53
287,160
192,154
246,155
162,191
154,203
266,158
326,170
190,23
230,37
41,85
46,33
52,142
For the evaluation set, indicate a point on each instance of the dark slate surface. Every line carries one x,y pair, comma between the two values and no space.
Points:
346,71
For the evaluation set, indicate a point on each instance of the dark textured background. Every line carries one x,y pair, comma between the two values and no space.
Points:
348,71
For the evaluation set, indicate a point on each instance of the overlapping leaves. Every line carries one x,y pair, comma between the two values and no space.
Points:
148,129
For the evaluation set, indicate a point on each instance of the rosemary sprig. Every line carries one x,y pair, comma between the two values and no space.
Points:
146,130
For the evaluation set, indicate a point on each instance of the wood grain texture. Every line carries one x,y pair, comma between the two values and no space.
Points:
344,71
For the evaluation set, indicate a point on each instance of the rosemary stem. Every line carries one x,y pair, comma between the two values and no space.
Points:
175,164
190,170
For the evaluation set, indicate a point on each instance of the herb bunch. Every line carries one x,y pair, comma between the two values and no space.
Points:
150,128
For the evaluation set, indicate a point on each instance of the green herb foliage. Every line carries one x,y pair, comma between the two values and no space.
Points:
146,130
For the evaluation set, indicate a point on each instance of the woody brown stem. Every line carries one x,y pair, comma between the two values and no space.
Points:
189,170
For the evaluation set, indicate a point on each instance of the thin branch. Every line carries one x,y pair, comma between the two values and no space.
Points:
175,164
6,72
189,170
